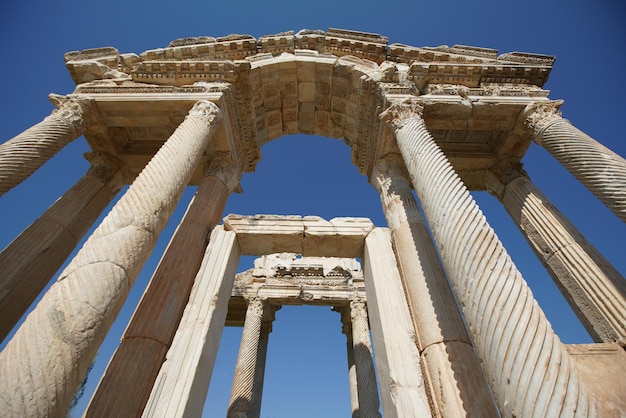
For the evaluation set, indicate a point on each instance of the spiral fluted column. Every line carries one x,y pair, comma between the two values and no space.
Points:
599,169
259,374
245,369
23,154
530,370
595,290
43,364
362,351
456,379
28,263
130,375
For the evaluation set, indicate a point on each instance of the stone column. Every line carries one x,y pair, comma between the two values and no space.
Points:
397,358
30,260
130,375
23,154
43,364
259,374
599,169
592,286
453,371
529,369
183,381
346,328
362,353
246,368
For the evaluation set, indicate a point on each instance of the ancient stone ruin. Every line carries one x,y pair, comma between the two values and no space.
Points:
454,325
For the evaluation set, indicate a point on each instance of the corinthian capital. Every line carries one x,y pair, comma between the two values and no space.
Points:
539,115
358,309
109,169
401,110
390,167
207,111
223,167
73,111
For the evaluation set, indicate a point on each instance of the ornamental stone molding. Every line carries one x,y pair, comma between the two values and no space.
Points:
437,292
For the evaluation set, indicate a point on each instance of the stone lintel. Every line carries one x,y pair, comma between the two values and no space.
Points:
308,236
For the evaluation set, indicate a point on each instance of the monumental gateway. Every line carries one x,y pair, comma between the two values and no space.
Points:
454,326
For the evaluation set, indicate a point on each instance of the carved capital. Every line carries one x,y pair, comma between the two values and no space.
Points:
400,111
498,177
387,169
206,111
223,167
538,116
109,169
358,310
255,306
73,111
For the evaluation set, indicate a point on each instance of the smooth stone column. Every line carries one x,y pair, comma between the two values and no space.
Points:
529,369
246,367
23,154
593,287
453,371
31,259
183,381
43,365
346,328
599,169
259,373
362,352
130,375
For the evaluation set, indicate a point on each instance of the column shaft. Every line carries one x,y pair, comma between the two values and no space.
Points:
246,367
30,260
346,328
530,370
183,381
22,155
43,364
594,289
259,374
457,383
130,375
599,169
362,352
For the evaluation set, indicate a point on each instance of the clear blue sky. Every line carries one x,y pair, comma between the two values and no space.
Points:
306,367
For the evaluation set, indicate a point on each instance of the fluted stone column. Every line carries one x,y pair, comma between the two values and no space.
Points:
183,381
529,369
130,375
362,352
23,154
453,371
245,370
28,263
599,169
397,357
43,364
593,287
346,328
259,374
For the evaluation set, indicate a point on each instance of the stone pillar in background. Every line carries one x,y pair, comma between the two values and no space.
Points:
599,169
246,368
23,154
397,357
362,352
259,373
453,371
44,362
509,330
183,381
592,286
346,328
31,259
153,325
